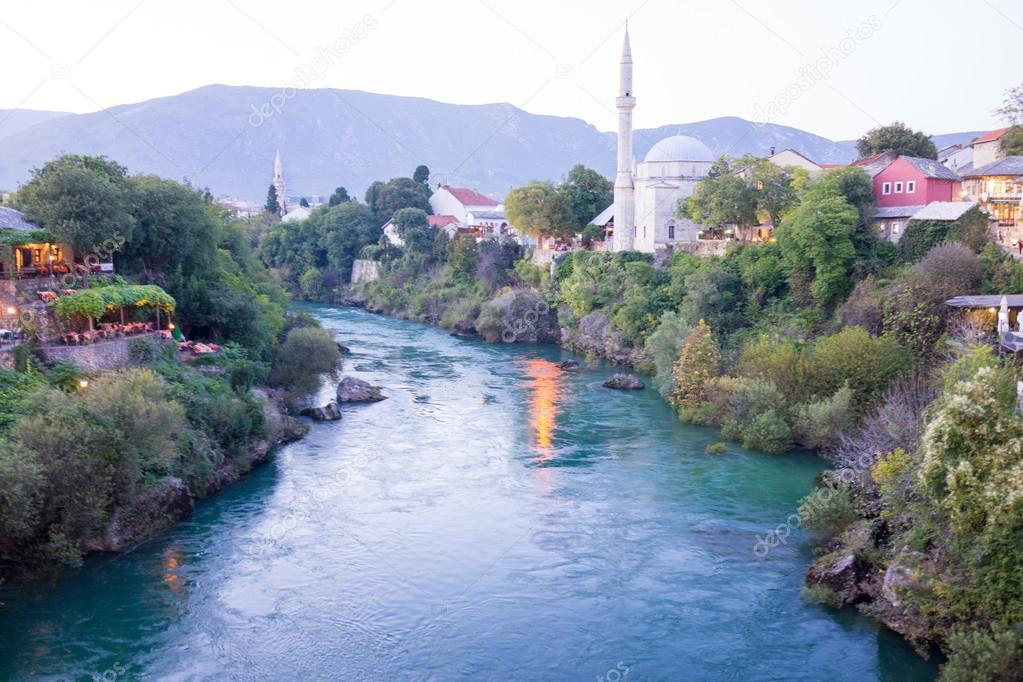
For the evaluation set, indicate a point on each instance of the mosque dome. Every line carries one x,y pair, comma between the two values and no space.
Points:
679,148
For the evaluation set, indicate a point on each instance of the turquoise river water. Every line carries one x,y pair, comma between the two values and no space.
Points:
494,518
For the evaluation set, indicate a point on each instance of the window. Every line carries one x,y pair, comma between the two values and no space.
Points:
895,227
910,186
898,187
886,188
671,231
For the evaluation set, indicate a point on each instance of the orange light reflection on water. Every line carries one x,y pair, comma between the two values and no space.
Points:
544,387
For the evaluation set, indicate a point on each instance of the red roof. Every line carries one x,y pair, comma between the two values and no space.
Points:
867,160
441,220
470,197
992,136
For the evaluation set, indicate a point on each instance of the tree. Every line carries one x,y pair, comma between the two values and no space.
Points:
396,194
306,354
724,198
817,244
697,364
1011,110
82,200
339,196
773,190
587,192
414,229
303,202
539,209
342,232
856,186
421,175
898,138
273,205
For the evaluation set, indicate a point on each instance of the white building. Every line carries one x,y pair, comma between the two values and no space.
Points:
296,214
646,195
278,183
460,201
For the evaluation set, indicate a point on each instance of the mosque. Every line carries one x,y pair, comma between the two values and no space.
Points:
646,194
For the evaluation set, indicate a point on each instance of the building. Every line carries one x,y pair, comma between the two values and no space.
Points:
296,214
988,147
279,185
914,181
488,223
646,194
957,158
892,221
448,223
998,188
459,201
875,163
790,158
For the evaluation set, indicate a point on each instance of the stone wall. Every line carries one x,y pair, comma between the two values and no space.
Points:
704,247
365,271
108,354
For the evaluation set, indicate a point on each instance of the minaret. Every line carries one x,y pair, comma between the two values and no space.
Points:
282,190
625,200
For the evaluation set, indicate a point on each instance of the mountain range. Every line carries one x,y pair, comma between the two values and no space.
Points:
225,138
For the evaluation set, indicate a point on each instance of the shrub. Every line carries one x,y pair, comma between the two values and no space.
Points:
782,362
817,425
768,433
828,509
664,345
716,449
868,365
697,364
825,596
977,653
306,354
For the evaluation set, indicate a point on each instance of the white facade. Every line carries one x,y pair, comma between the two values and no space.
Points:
458,202
278,183
646,196
296,214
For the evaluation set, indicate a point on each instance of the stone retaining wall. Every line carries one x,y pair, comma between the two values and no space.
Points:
365,271
107,354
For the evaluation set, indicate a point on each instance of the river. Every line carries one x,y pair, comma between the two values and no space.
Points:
494,518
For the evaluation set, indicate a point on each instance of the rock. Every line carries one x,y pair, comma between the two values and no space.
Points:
352,390
328,413
345,350
568,366
624,382
152,511
596,335
840,573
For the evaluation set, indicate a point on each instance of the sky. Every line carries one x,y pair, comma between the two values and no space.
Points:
831,68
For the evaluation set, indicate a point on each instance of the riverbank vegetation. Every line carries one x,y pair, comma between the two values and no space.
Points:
823,337
98,461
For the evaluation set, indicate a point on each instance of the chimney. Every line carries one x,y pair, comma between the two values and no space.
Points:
771,153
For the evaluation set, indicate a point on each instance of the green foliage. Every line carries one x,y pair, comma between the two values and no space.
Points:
273,204
722,198
825,596
816,241
421,175
384,198
768,433
921,236
540,209
96,302
587,193
828,510
664,346
818,424
81,200
716,449
697,364
306,354
414,229
713,294
898,138
339,196
15,389
980,654
867,365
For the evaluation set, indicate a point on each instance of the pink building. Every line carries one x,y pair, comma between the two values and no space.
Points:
912,181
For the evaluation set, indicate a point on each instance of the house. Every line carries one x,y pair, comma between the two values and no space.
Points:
488,223
915,181
998,188
988,147
296,214
957,158
31,251
447,223
459,201
790,158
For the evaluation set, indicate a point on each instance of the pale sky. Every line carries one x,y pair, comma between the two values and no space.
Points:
941,66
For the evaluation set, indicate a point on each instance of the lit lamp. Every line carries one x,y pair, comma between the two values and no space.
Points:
83,384
12,311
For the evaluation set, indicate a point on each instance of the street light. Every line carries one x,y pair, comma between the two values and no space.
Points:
83,384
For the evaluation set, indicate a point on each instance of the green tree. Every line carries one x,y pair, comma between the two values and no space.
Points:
539,209
697,364
342,232
303,202
82,200
724,198
856,186
587,192
773,189
339,196
306,354
817,243
273,204
421,175
898,138
414,229
399,193
1011,110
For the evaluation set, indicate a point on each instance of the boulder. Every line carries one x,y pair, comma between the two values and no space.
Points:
328,413
352,390
345,350
624,382
568,366
840,573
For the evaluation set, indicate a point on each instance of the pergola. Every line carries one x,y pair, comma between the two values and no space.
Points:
94,303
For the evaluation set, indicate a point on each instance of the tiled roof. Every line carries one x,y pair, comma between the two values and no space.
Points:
992,136
470,197
930,168
440,220
13,219
943,210
1010,165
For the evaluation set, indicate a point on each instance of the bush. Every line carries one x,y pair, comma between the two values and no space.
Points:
716,449
825,596
977,653
697,364
868,365
828,509
306,354
783,362
768,433
817,425
664,345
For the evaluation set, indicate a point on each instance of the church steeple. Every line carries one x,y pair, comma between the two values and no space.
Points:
625,202
278,182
